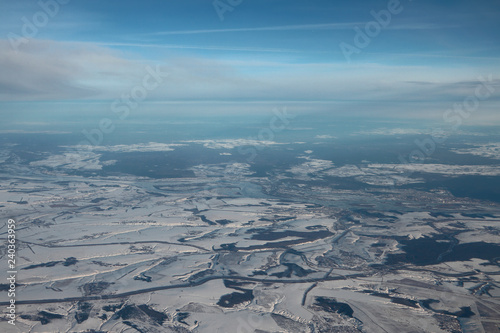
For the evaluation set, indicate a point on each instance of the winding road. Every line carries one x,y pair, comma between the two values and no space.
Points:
182,285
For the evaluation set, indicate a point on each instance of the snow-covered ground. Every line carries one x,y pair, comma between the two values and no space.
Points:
120,253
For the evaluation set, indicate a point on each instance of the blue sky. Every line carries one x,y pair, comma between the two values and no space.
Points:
264,52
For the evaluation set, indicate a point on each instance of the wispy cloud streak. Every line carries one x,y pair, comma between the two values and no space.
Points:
321,26
196,47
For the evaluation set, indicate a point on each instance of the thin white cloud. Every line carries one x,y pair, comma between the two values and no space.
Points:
341,26
232,143
394,131
396,174
451,54
311,166
443,169
133,148
61,71
198,47
489,150
19,131
320,26
231,170
72,161
44,69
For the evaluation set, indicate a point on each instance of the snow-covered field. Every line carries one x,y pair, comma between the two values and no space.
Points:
206,254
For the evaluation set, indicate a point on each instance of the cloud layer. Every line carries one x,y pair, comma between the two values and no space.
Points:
49,70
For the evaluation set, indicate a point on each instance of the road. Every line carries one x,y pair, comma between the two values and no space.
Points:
182,285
